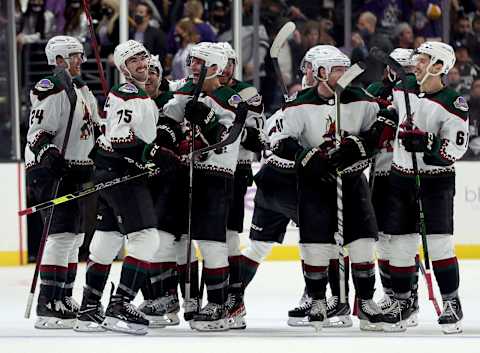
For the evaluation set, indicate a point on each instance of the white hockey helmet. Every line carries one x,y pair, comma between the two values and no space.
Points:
438,51
125,51
309,56
328,57
63,46
154,63
211,54
403,56
229,51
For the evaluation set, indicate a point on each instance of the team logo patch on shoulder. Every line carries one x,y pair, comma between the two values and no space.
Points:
255,101
234,100
44,85
292,97
128,88
461,104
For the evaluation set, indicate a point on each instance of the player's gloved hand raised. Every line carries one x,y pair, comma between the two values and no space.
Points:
313,164
417,140
51,158
352,149
199,114
253,139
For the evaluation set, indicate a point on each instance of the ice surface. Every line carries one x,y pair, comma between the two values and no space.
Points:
276,289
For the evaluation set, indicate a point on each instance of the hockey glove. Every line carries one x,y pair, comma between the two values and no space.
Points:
199,114
253,139
163,158
50,157
352,149
168,134
383,129
417,140
312,164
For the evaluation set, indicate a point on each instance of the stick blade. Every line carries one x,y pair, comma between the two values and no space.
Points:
282,36
352,73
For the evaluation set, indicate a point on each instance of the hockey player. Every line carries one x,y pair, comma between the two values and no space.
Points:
213,114
252,143
438,135
130,125
382,90
56,100
308,135
161,303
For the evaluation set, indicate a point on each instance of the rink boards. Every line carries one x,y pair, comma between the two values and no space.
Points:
467,216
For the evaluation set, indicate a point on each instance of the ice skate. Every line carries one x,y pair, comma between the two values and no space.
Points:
451,318
213,317
318,314
298,315
54,314
338,314
236,312
370,315
396,317
122,316
90,317
162,311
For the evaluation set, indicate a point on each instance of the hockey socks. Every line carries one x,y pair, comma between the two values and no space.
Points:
216,281
96,278
235,280
447,276
334,277
134,274
182,274
163,278
364,279
402,279
71,275
384,269
316,279
52,281
249,269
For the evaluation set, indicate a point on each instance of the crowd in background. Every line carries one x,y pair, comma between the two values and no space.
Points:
168,28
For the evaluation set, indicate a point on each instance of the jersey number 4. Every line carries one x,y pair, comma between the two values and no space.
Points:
125,114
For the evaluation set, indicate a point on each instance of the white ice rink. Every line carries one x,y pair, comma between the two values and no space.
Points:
274,291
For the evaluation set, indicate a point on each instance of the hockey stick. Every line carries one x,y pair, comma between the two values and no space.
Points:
281,38
342,83
400,71
434,300
196,95
62,75
103,81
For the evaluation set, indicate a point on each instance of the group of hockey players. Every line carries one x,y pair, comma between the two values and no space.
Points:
151,124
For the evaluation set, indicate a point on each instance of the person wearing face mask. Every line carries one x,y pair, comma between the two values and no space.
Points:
363,40
38,23
76,20
152,38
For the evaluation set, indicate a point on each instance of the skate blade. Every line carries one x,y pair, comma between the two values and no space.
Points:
54,323
412,320
237,323
88,326
116,325
298,321
366,325
210,326
338,322
170,319
397,327
317,325
450,329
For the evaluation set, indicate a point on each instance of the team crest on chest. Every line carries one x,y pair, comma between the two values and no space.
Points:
128,88
461,104
44,85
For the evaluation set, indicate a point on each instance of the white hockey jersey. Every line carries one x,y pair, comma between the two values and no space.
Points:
444,113
310,119
49,117
223,101
131,118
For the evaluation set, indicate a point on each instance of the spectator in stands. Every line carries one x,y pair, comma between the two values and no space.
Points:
467,69
309,37
76,24
403,36
152,38
57,8
37,24
419,40
363,40
461,30
425,18
219,17
389,13
326,32
454,82
193,11
473,152
186,36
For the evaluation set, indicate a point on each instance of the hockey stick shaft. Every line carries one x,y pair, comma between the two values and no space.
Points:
280,39
64,77
342,83
81,193
428,280
196,95
395,66
93,38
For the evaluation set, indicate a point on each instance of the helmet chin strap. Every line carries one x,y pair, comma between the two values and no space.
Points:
392,77
326,85
131,78
428,73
